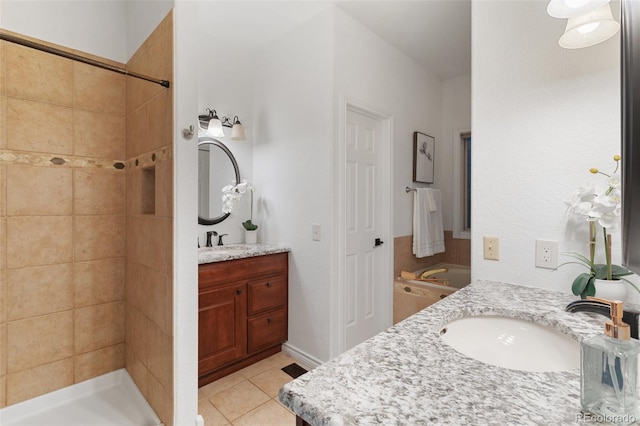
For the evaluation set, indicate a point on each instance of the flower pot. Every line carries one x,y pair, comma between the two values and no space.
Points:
611,289
250,237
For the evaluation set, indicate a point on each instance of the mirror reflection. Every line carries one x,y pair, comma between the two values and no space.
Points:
217,167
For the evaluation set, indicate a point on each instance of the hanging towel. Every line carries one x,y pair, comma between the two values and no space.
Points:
428,232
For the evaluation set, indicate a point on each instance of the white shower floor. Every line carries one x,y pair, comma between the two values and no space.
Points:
108,400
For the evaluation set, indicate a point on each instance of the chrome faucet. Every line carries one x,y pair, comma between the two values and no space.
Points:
209,234
629,316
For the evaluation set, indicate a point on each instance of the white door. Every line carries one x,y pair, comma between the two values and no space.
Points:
367,279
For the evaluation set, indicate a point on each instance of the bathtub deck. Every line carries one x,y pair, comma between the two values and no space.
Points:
108,400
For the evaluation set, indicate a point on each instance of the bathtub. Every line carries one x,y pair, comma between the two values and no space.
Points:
108,400
411,296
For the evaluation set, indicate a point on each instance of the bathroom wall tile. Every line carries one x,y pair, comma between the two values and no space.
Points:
160,362
134,191
37,381
161,120
98,326
137,132
98,281
3,393
98,191
2,68
39,76
136,369
98,237
3,348
149,231
150,292
3,246
3,122
39,290
3,190
38,191
96,363
40,127
98,90
161,400
164,189
138,91
39,240
3,296
40,340
99,135
137,333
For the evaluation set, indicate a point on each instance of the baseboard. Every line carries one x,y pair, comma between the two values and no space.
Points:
301,356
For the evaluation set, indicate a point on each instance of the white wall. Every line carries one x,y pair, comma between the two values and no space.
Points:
374,74
96,27
293,116
143,17
456,117
542,116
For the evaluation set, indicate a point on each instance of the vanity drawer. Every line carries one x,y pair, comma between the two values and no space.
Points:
267,293
266,329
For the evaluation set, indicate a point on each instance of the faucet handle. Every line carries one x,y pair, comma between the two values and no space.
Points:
220,238
615,327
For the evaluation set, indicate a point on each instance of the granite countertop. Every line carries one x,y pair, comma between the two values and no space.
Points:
407,375
237,251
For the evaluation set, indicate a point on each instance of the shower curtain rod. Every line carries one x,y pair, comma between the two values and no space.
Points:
74,57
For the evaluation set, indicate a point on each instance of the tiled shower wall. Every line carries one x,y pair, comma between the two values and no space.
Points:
86,202
457,251
149,210
62,222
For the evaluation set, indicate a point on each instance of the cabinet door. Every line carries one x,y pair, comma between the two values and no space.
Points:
267,294
222,336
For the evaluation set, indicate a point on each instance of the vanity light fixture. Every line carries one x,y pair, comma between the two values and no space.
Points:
214,125
589,22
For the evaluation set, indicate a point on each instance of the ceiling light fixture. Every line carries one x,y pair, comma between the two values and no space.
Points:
214,126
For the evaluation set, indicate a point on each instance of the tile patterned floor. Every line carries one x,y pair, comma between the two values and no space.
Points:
248,397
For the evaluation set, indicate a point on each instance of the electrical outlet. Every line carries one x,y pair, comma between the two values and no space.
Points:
546,254
491,248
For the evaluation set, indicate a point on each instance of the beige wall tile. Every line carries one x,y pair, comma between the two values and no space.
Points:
40,340
35,75
148,231
3,190
160,358
2,69
151,293
3,245
3,296
3,348
160,399
136,333
99,135
38,240
136,369
134,191
161,120
98,281
40,127
138,92
98,90
39,290
38,191
96,363
39,380
3,393
98,192
137,132
164,189
98,237
99,326
3,121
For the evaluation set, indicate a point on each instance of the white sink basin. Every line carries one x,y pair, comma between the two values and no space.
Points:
512,343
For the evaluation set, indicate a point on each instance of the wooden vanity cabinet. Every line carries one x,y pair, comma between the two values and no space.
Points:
242,313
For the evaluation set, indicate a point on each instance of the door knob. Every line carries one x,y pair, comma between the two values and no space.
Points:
378,242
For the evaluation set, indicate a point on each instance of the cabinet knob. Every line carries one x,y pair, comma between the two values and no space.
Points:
269,320
269,284
239,291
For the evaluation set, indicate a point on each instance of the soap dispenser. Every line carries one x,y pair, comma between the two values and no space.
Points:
609,371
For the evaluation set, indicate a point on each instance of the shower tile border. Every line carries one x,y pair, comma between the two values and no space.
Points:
147,159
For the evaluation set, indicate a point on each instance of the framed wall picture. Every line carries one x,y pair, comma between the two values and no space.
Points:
424,157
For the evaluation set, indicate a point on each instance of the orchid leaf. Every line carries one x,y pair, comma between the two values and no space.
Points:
580,284
591,288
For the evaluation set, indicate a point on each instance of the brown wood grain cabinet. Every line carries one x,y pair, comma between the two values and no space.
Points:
243,313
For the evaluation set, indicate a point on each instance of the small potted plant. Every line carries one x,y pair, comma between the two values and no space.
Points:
601,207
231,195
